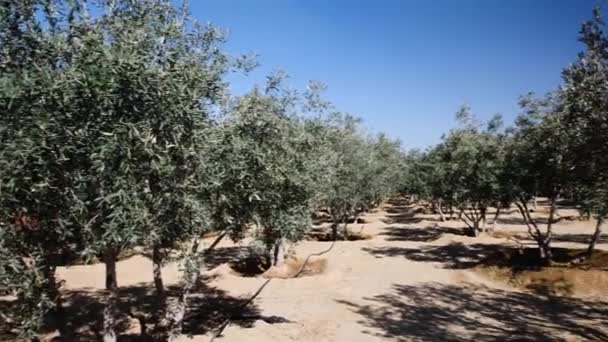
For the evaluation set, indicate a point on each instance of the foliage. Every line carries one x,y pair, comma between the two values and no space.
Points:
538,162
267,166
117,131
24,277
583,92
102,123
363,171
585,84
40,205
469,162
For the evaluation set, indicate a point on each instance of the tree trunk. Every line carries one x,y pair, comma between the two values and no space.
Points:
475,228
157,264
440,211
586,215
170,326
482,218
109,259
65,333
542,250
345,228
334,231
279,252
496,215
434,207
213,244
596,235
545,241
470,220
109,312
451,213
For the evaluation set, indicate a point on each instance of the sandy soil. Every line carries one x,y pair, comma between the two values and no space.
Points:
411,281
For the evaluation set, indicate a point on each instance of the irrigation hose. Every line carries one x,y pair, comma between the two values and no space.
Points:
259,290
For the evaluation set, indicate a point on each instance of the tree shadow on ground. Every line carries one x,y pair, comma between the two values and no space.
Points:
525,257
398,210
453,256
518,220
429,233
225,255
578,238
407,218
434,312
240,259
208,308
410,214
324,234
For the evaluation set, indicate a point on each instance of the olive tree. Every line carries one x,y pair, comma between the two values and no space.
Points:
162,72
469,161
538,161
412,180
267,169
584,88
41,208
104,107
386,169
344,195
362,170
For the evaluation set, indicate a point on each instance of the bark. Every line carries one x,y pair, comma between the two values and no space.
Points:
157,264
335,218
464,217
475,228
109,312
213,244
345,228
357,215
523,210
279,252
541,251
546,239
171,324
440,211
543,240
334,231
471,220
586,215
65,333
596,235
496,215
451,213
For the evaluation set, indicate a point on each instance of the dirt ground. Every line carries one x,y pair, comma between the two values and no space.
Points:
415,279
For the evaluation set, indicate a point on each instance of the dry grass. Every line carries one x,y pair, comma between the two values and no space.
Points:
503,234
294,266
524,270
323,234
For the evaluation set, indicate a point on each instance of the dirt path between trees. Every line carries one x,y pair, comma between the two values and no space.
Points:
411,281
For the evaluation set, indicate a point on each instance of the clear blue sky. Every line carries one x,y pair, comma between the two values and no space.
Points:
405,66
